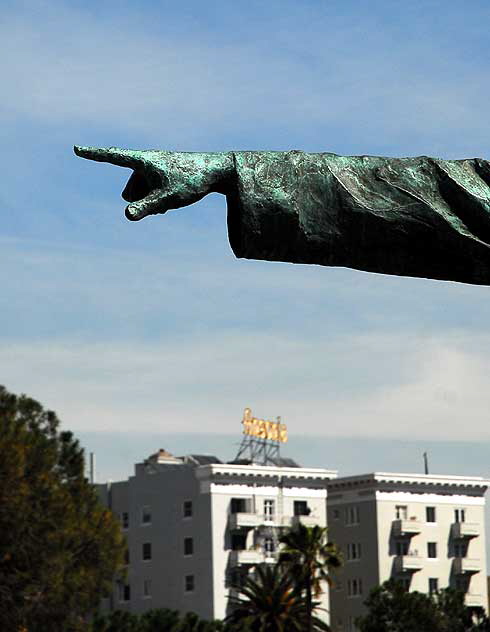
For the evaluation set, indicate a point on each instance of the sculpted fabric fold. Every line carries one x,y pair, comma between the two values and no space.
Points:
420,216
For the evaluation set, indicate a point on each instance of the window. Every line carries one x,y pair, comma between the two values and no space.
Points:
269,509
401,512
125,520
431,549
351,624
405,583
336,514
187,508
353,551
354,587
189,583
433,585
402,547
188,546
269,546
238,541
462,584
236,577
352,515
240,505
460,550
124,591
147,551
146,514
146,588
301,508
459,515
126,556
430,514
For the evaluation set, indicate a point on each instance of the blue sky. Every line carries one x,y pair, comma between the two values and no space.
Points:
152,332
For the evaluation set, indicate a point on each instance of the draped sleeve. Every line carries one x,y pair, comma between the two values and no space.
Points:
420,217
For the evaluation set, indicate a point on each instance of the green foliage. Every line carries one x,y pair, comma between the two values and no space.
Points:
157,620
271,602
309,558
393,609
59,547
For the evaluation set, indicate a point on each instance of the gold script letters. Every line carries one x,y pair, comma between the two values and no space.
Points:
263,429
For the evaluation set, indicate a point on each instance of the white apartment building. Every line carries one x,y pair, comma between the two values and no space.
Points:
426,531
193,524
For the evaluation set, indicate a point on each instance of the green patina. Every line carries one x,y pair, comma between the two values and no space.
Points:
420,216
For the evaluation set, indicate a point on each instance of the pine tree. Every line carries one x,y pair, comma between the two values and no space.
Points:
59,548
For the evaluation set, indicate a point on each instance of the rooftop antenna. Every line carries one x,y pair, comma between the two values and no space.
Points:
92,468
426,463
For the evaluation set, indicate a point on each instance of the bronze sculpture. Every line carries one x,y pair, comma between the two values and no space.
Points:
420,217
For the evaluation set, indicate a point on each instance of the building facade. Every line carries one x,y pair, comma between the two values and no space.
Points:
426,531
194,526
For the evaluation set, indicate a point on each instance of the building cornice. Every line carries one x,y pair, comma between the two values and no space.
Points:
263,471
432,481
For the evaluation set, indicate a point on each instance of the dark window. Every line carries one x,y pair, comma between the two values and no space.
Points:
189,583
301,508
147,550
402,547
433,585
188,546
240,505
431,549
459,515
462,584
269,546
430,514
146,515
187,508
124,592
405,583
126,556
238,541
236,577
125,520
352,515
353,551
336,514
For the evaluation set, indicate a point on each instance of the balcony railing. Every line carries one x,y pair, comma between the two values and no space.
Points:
406,527
461,530
466,566
308,521
252,556
409,563
247,520
474,599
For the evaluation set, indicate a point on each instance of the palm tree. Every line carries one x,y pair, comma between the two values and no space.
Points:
309,557
270,603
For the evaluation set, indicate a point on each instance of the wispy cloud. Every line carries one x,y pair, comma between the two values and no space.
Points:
366,385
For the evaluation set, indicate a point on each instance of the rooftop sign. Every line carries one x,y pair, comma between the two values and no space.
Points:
264,429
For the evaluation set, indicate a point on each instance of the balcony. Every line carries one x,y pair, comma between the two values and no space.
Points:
466,566
307,521
462,530
408,563
474,599
246,520
406,527
249,557
246,557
